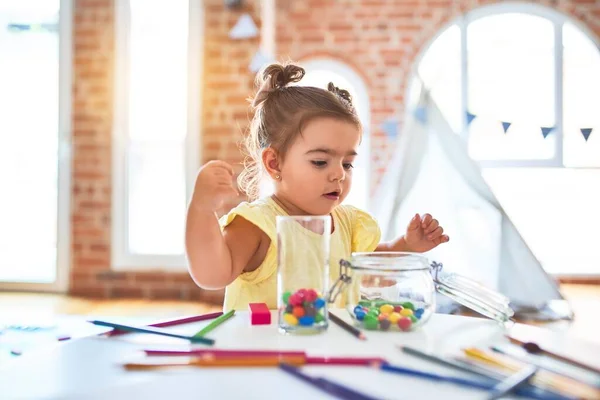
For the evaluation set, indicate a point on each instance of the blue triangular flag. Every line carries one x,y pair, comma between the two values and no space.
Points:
546,130
586,132
390,127
258,61
470,118
421,114
505,126
245,28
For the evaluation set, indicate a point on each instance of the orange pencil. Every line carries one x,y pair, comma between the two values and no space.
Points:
211,361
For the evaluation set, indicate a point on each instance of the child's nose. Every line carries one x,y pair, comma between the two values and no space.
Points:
339,174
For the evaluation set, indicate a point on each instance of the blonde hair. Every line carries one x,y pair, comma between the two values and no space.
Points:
280,113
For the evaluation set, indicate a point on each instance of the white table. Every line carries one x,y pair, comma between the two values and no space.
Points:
89,368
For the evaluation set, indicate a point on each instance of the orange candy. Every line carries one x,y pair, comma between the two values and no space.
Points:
298,311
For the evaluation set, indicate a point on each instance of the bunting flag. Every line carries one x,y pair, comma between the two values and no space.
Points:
586,132
258,61
245,28
505,126
390,127
470,118
421,115
546,130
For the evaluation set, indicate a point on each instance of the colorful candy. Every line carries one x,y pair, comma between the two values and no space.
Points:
380,315
303,307
404,323
407,312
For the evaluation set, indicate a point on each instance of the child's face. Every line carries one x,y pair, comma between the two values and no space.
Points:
317,169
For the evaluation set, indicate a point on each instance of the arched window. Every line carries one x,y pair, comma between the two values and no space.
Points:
521,83
319,72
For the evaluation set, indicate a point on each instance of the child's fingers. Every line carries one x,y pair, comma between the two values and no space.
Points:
426,220
432,226
436,233
441,239
414,223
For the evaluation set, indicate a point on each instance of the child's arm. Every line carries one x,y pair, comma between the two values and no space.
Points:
216,259
421,235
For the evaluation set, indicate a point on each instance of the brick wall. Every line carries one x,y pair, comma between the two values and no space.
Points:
378,38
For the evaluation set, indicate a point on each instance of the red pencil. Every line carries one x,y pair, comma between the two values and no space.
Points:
232,353
366,361
174,322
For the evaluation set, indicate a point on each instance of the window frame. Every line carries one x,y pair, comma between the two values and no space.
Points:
121,257
558,20
64,171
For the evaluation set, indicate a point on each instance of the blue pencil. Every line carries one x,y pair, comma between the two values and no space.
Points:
155,331
483,385
335,389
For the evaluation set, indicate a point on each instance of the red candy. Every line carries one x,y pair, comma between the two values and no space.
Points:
311,295
404,323
398,309
295,299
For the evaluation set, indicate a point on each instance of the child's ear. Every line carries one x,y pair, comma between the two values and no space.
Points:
270,161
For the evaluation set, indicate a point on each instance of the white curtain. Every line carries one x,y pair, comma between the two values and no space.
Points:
431,172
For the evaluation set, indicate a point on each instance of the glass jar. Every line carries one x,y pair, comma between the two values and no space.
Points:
302,273
395,291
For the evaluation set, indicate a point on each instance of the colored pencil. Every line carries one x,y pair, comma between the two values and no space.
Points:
560,384
348,361
534,348
449,363
240,353
513,382
334,389
154,331
207,361
214,324
347,327
510,352
527,390
173,322
484,385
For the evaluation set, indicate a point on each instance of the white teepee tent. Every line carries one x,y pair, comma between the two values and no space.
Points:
432,172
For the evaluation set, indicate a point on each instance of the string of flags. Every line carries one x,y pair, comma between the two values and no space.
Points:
546,130
390,125
245,28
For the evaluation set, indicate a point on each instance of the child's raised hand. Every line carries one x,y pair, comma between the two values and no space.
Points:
424,234
214,185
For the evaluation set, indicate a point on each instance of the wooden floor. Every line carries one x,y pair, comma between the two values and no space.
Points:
585,300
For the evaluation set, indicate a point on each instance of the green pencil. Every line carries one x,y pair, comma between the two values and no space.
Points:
214,324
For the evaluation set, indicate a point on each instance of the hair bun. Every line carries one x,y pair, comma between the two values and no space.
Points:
273,77
341,93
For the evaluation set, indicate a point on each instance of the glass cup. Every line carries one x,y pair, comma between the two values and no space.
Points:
303,273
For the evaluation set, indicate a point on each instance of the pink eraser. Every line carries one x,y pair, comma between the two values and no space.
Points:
259,314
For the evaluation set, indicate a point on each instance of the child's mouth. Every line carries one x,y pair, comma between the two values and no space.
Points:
332,195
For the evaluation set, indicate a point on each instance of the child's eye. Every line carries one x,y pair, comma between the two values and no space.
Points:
348,166
319,163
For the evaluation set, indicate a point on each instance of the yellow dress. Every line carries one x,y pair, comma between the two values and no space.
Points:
354,231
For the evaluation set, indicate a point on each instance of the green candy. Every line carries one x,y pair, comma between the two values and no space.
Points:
374,312
286,297
413,318
370,322
408,305
319,317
